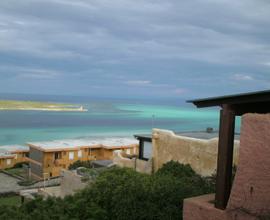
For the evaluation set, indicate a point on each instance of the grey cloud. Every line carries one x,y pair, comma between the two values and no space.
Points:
103,41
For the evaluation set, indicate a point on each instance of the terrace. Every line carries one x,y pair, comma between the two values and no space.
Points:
254,146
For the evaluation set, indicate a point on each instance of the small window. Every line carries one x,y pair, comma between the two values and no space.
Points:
79,153
128,151
71,155
8,161
57,155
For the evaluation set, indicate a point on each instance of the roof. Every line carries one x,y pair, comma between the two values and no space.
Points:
6,155
102,163
8,151
107,143
255,102
242,98
144,137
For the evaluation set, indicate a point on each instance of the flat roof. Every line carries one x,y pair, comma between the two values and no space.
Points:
7,151
144,137
108,143
236,99
14,148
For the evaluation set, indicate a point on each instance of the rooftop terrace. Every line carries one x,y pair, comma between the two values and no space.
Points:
7,150
108,143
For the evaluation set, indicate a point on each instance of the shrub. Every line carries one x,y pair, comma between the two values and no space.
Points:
121,193
20,165
79,163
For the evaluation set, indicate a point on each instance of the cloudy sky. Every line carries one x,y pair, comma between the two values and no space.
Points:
127,48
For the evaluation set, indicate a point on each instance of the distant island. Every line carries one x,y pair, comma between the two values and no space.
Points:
39,106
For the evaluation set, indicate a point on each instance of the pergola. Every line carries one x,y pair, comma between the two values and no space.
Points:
142,139
231,106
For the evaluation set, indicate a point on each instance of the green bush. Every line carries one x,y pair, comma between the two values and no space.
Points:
121,193
20,165
26,182
79,163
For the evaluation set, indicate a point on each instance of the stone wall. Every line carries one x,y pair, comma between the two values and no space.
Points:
70,183
141,166
201,154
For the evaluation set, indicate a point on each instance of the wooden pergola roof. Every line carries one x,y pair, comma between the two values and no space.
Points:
240,103
231,106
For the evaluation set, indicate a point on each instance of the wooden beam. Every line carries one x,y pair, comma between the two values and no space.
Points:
225,156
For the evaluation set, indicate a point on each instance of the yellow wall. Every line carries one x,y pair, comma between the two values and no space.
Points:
53,167
18,158
201,154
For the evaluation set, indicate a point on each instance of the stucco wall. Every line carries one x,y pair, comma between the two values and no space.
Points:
141,166
199,153
251,187
70,183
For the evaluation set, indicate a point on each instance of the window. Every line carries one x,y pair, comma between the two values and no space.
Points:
57,155
79,153
8,161
147,150
71,155
128,151
15,156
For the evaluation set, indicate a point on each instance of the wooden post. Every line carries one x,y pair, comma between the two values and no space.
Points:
141,148
225,156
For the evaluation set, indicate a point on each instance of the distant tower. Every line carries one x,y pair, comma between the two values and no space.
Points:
81,108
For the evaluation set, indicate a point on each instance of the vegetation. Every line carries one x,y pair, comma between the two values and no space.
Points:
121,193
79,163
21,164
12,200
30,105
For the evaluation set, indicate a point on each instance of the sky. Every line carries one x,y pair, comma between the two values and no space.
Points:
126,48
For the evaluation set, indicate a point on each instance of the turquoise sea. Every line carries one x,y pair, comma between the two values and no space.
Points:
106,118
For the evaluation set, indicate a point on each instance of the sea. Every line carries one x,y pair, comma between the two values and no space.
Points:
106,117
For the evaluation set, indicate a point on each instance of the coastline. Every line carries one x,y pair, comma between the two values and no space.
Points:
45,109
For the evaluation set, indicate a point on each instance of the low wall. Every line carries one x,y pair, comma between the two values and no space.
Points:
201,154
70,183
141,166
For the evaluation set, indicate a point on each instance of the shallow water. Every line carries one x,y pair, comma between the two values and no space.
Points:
104,118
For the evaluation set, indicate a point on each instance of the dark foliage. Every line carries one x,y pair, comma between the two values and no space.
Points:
79,163
20,165
121,194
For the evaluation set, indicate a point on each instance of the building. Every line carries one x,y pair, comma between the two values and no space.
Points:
12,154
48,158
248,196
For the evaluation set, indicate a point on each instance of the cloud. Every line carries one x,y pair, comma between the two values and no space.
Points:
179,91
242,77
138,82
153,44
